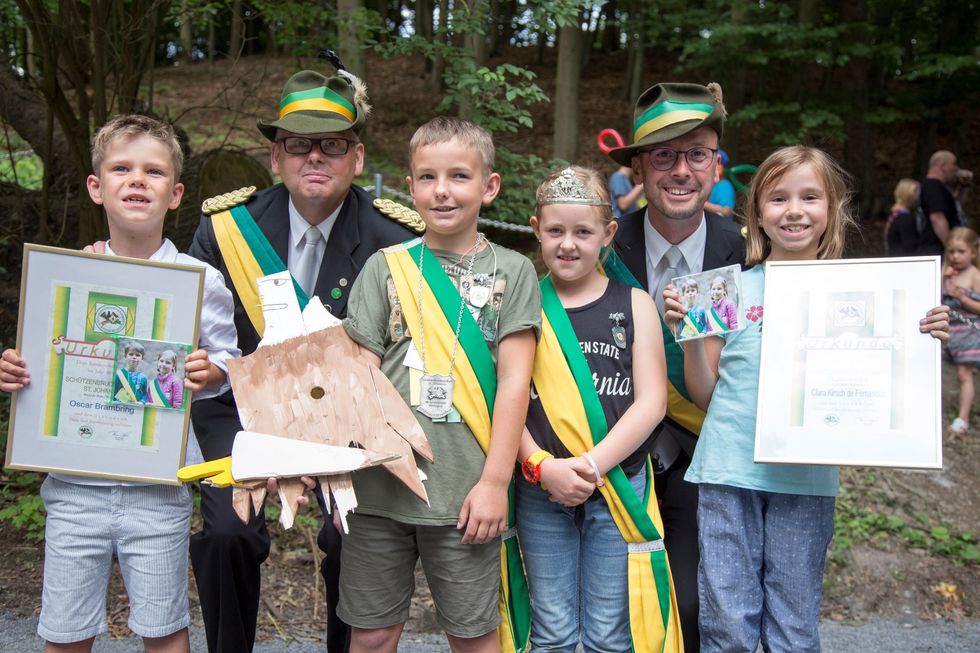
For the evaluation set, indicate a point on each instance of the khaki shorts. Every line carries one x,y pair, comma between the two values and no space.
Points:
377,576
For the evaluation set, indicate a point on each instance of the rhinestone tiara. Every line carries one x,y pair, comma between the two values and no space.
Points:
567,189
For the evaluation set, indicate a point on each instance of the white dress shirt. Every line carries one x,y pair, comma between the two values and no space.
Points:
298,227
692,249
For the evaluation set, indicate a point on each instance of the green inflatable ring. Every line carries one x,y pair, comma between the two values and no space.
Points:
733,172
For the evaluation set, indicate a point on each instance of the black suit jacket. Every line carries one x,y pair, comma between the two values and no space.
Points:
360,231
723,246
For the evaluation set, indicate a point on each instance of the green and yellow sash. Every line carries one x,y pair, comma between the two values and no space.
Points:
715,323
248,255
156,395
127,392
561,374
679,405
473,396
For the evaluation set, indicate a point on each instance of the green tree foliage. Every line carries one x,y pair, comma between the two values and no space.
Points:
497,98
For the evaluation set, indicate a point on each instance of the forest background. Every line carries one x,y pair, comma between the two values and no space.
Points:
880,84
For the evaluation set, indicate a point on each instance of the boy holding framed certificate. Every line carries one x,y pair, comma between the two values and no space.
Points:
137,161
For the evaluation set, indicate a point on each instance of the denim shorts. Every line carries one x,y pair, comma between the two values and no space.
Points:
377,576
145,527
577,564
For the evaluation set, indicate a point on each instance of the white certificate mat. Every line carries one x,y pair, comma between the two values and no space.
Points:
73,307
846,378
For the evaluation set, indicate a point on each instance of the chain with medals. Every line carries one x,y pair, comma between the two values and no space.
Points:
436,390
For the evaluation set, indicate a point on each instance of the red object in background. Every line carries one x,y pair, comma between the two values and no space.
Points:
606,134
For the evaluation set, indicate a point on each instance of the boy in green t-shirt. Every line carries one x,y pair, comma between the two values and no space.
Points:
445,338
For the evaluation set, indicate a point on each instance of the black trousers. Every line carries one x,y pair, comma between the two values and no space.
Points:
679,510
227,554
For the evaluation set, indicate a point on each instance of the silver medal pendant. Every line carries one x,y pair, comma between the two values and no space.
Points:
435,395
478,296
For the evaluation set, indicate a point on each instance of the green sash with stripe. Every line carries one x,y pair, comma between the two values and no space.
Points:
566,388
249,255
157,396
474,394
126,393
679,405
715,323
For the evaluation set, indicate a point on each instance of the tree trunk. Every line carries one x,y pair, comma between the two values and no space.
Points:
609,23
635,51
423,26
570,40
212,41
186,35
434,84
735,88
349,30
237,30
858,152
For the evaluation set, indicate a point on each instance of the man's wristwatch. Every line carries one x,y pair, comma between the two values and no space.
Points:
532,466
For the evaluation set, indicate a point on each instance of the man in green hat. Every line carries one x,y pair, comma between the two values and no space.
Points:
676,132
322,229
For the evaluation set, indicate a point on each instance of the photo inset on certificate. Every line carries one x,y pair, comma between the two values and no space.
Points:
713,301
150,373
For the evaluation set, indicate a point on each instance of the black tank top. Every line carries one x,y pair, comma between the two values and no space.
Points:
610,364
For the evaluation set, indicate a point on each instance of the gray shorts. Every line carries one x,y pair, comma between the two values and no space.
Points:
146,527
377,576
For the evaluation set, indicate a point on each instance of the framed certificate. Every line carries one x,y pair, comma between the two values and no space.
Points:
846,378
85,411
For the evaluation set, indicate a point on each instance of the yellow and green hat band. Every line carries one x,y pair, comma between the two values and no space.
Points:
668,113
317,99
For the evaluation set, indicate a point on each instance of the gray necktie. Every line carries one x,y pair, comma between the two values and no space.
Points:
306,267
673,256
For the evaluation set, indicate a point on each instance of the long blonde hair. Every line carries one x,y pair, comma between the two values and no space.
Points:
835,183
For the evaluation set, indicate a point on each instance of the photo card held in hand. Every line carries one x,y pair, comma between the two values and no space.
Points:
713,300
150,373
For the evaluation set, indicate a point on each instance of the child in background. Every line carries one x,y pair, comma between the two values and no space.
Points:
722,198
137,161
961,292
130,384
724,311
456,536
695,319
763,529
167,386
575,556
901,235
625,194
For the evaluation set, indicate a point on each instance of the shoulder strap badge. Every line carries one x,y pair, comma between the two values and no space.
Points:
400,213
226,201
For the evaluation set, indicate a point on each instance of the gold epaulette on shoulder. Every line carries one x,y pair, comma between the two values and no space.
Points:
224,202
401,214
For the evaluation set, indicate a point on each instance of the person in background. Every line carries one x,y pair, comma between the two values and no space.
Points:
625,194
901,235
722,200
944,187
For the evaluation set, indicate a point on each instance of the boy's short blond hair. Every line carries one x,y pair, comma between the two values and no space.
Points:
129,126
443,129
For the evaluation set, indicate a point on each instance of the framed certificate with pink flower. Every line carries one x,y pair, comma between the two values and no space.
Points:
846,378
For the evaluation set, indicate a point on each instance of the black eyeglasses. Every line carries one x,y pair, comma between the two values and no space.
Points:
332,146
665,158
